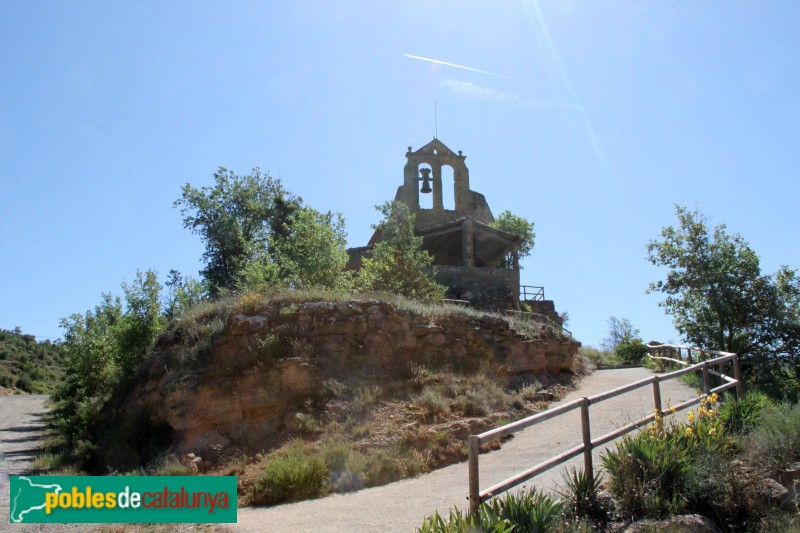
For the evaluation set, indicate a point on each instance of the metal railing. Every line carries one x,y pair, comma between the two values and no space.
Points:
477,496
531,292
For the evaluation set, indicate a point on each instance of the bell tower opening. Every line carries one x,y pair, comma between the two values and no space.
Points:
425,195
448,188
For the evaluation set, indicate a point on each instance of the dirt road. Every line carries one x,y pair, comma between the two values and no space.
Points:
21,429
402,506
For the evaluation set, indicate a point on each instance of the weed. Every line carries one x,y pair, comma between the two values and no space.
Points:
648,475
48,461
775,441
364,398
741,416
170,466
432,403
527,512
580,492
290,474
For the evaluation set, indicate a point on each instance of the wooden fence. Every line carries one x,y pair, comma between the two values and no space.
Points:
477,496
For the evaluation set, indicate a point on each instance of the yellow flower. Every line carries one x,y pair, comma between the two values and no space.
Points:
714,398
712,431
691,416
688,431
672,409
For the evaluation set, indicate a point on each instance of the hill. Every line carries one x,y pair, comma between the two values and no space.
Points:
368,390
28,365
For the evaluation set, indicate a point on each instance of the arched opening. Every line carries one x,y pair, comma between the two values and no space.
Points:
425,200
448,188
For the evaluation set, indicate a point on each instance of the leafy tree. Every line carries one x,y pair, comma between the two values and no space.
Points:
236,219
623,339
718,298
90,371
183,293
519,226
398,263
141,323
619,331
313,253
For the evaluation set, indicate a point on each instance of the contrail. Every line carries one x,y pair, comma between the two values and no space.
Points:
445,63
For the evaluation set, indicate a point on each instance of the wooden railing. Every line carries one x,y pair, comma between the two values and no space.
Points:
477,496
531,292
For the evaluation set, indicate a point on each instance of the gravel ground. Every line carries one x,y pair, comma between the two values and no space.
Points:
402,506
399,506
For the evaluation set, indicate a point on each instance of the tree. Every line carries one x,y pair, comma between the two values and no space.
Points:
619,331
313,253
522,228
183,294
236,218
398,263
623,339
141,323
719,299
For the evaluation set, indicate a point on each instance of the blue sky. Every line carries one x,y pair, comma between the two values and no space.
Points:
591,119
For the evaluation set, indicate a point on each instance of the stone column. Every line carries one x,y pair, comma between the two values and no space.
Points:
468,243
438,199
515,263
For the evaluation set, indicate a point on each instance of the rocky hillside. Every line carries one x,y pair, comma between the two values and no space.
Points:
239,378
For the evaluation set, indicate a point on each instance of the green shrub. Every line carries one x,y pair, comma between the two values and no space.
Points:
775,441
384,465
648,474
580,492
527,512
631,351
432,403
172,467
346,466
291,474
741,416
364,398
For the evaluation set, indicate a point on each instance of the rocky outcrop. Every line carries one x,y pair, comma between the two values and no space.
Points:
263,363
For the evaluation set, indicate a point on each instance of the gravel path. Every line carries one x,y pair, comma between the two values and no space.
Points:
401,506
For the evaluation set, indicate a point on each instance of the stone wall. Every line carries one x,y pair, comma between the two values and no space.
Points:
490,289
268,361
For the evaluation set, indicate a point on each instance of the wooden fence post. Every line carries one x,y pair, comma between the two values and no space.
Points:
588,469
474,444
657,393
737,374
706,379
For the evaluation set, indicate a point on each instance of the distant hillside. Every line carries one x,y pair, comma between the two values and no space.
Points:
27,365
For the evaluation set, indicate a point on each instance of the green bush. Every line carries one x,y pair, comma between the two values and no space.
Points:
775,441
631,351
648,474
527,512
290,475
432,403
580,492
741,416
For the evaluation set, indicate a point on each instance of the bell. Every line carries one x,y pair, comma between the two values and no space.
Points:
426,181
426,186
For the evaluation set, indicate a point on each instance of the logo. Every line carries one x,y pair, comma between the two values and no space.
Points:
122,499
